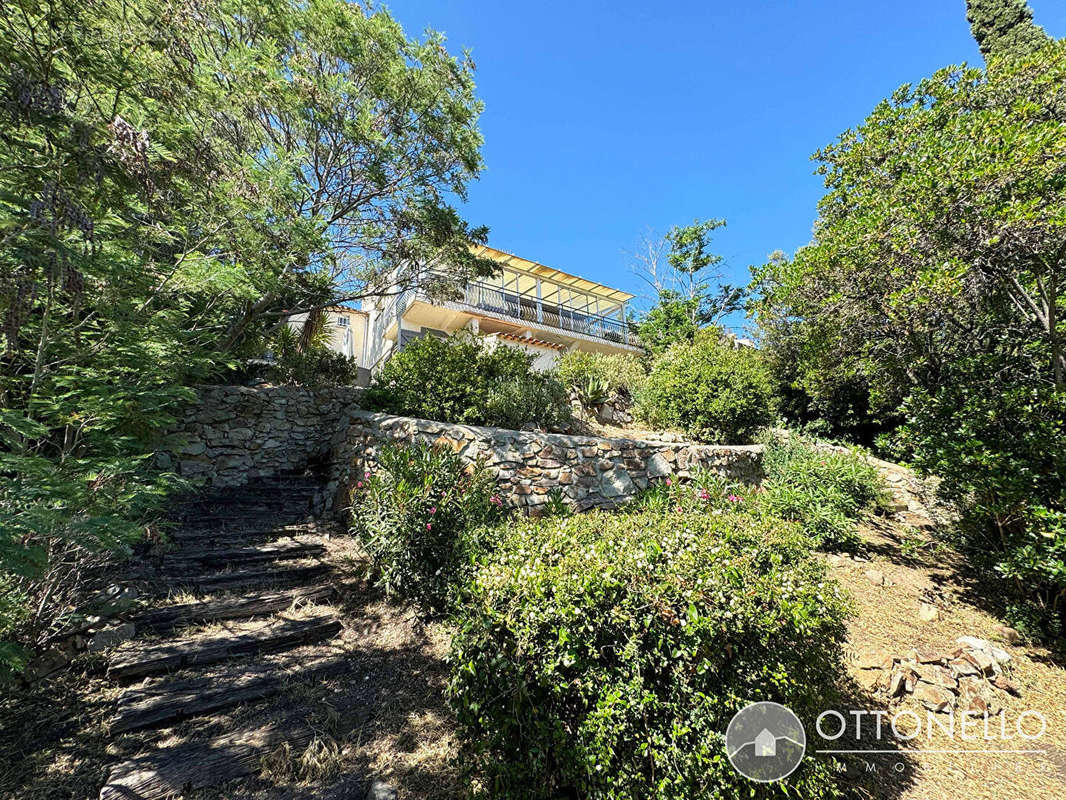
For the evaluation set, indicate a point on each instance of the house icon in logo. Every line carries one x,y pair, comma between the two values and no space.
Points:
765,744
765,741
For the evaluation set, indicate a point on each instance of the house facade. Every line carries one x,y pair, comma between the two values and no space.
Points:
536,308
346,329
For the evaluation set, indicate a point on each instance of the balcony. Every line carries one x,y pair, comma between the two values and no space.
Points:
538,311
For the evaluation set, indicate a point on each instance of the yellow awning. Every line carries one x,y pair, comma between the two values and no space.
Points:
552,274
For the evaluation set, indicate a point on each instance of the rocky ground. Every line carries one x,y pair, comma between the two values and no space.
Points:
924,638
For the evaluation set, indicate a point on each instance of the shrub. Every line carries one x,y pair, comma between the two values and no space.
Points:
420,516
824,490
615,372
708,389
602,656
1001,452
703,492
306,363
459,380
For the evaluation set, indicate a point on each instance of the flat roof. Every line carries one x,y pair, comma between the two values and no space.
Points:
346,310
552,274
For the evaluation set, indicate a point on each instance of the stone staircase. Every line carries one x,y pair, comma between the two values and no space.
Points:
240,618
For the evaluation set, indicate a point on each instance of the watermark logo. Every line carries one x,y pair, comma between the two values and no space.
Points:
765,742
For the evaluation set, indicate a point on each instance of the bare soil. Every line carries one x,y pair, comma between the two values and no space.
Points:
918,569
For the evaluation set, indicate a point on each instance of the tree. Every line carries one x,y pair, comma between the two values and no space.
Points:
381,130
1004,27
936,275
687,281
173,179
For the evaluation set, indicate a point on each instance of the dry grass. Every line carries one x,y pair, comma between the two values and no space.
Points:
919,569
320,761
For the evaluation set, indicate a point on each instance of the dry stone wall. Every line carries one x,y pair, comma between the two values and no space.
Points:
589,472
234,434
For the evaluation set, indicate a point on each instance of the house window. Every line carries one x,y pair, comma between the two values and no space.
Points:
343,321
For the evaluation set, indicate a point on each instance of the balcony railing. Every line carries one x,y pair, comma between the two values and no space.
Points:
537,311
390,310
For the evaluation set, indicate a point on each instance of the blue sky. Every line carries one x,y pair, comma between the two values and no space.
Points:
603,119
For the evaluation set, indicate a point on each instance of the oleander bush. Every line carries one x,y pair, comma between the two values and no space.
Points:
708,389
824,490
603,655
703,491
461,380
421,514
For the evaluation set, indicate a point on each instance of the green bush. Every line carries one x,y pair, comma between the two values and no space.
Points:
420,516
1000,449
824,490
616,372
708,389
308,363
602,656
459,380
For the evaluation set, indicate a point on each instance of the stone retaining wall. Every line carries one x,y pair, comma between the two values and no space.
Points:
234,434
590,472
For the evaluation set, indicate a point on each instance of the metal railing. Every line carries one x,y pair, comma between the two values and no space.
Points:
393,308
554,315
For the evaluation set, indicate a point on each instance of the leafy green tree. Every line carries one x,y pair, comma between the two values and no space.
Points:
936,277
821,394
174,179
687,279
1004,27
670,320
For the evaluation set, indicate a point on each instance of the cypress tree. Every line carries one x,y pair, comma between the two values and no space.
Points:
1004,27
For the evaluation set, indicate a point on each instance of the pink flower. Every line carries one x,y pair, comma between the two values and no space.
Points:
429,526
678,509
358,484
704,495
733,498
495,500
366,474
669,482
433,510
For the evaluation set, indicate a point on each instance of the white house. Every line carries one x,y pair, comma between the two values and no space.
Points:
536,308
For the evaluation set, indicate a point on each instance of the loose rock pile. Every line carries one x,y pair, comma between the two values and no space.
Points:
95,627
615,410
965,678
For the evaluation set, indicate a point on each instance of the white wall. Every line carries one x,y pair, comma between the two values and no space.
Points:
544,358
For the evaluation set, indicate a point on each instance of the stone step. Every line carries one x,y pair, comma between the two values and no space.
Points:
283,514
276,494
169,701
279,550
167,618
254,579
214,534
172,772
262,495
137,659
